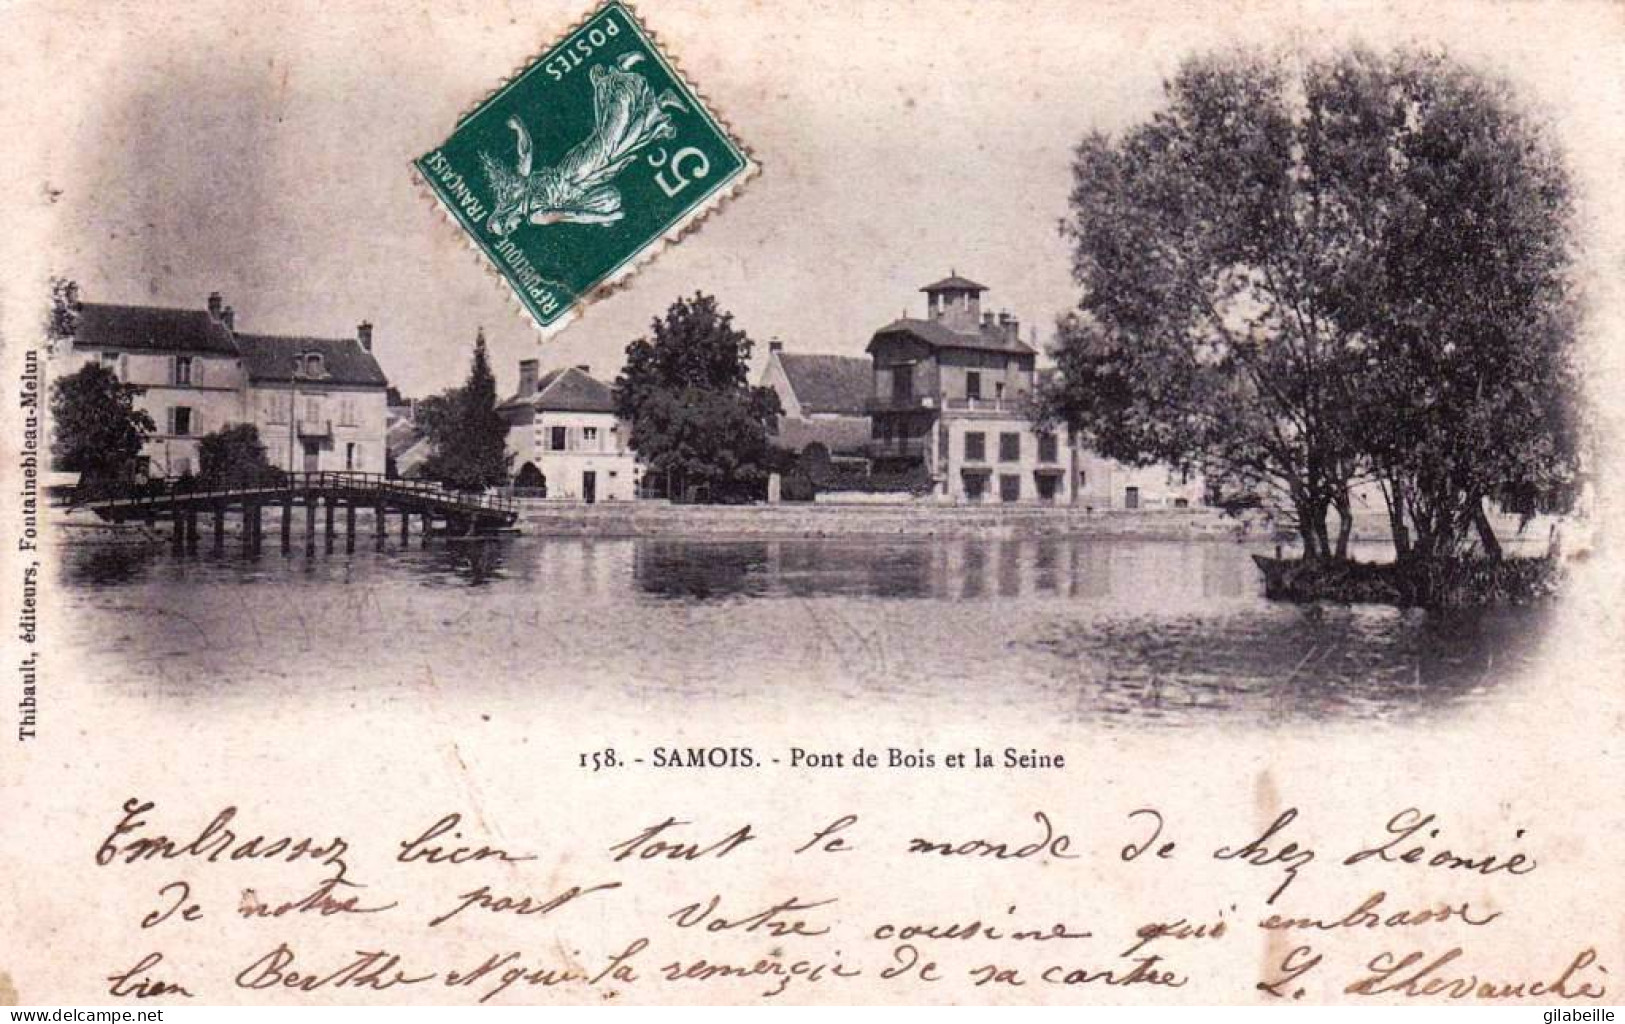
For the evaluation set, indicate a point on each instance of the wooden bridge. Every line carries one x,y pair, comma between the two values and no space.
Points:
447,512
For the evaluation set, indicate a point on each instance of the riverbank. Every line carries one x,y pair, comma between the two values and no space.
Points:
1435,583
661,519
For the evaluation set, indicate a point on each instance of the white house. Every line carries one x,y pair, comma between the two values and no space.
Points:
565,438
320,403
198,374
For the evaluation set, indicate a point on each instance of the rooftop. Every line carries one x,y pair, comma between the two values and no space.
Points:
568,390
955,283
103,325
825,384
986,338
271,358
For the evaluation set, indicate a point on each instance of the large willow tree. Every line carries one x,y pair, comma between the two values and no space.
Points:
1300,276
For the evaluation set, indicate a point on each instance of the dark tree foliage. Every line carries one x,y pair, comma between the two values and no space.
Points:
97,431
63,318
234,457
695,418
467,432
1300,277
1463,297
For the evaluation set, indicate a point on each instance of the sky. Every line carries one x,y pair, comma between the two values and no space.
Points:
265,153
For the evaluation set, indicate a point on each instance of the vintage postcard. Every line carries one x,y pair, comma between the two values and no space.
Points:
1092,504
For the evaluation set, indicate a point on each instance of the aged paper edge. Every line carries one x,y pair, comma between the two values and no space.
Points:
687,225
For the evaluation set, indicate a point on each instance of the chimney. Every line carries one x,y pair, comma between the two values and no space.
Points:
987,321
1015,328
228,316
775,345
214,304
528,370
584,368
363,334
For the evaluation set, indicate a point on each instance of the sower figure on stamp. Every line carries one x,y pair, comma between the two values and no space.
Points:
628,116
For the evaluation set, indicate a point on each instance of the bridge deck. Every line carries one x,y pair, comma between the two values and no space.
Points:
365,490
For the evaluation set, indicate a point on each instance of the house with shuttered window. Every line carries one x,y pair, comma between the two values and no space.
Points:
566,441
319,403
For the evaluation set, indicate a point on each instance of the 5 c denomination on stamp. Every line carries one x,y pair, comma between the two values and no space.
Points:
584,165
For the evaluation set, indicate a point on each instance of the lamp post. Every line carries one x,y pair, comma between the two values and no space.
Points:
293,412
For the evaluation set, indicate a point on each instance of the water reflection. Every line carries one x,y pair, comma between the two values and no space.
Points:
1080,629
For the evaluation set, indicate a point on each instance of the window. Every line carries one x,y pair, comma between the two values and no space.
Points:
560,439
975,486
1083,479
1047,487
350,455
1009,447
276,408
313,409
902,384
1131,497
313,365
183,370
1009,487
998,389
180,420
975,446
973,384
1047,448
589,437
347,412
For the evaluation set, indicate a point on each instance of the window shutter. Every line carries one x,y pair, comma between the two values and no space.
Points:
174,369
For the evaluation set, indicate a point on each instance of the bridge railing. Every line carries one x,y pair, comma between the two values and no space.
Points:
158,490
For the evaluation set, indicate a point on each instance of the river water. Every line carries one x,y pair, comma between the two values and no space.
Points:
1121,632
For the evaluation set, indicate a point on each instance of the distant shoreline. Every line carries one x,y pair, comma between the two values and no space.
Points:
545,518
660,519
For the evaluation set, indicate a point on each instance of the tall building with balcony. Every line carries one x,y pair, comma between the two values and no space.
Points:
953,397
321,404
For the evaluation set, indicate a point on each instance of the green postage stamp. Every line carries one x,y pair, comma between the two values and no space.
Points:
584,165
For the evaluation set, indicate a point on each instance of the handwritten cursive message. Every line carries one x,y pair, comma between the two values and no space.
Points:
744,910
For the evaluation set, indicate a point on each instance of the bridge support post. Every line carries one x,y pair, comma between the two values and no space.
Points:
287,523
191,531
310,523
428,521
406,528
378,526
177,540
329,507
219,528
251,528
349,528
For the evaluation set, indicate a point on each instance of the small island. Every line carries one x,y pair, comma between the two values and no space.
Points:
1330,286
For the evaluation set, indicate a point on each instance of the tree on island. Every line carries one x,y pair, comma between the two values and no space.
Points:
1302,277
233,456
466,433
696,421
96,430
